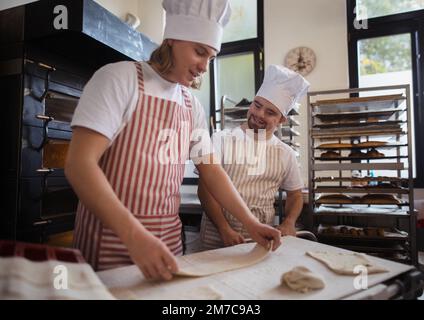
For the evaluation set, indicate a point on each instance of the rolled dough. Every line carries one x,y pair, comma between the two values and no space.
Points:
345,263
216,261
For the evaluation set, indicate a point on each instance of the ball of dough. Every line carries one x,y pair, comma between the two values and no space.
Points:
302,279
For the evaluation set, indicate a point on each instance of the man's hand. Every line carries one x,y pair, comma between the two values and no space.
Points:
152,256
287,228
230,237
264,234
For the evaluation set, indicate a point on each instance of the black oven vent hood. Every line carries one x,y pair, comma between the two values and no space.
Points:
94,35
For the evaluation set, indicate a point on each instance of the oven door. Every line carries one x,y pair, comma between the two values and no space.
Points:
41,153
47,206
48,103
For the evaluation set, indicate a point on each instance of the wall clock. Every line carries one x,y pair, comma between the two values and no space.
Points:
301,60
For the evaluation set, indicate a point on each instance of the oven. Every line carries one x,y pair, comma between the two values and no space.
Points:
47,203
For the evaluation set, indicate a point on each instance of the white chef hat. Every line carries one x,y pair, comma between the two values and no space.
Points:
283,88
200,21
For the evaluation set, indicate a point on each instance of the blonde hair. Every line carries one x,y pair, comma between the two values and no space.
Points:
161,57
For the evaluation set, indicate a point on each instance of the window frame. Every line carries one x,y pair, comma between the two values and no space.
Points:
255,45
409,22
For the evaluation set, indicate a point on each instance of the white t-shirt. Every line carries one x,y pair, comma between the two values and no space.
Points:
291,178
110,98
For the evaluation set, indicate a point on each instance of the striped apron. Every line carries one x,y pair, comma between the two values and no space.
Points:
145,167
258,191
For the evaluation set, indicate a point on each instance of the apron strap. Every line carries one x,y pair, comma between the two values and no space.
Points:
140,78
186,95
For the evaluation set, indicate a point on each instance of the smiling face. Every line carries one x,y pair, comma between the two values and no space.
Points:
190,60
263,115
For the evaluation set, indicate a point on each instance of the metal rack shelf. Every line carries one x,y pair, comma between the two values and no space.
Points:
358,166
332,189
353,124
359,147
383,101
361,212
364,179
359,158
362,133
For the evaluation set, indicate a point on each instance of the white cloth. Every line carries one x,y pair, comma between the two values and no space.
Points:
110,98
272,165
282,87
200,21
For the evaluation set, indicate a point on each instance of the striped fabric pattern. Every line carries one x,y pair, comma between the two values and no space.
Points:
148,187
258,191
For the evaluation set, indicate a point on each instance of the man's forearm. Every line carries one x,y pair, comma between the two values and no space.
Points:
222,189
211,207
294,206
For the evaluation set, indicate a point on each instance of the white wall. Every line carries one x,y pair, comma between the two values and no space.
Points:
320,25
152,18
120,8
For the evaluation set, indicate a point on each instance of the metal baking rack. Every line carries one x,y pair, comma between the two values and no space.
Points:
360,144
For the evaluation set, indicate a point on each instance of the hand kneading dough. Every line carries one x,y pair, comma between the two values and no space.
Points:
206,263
345,263
302,279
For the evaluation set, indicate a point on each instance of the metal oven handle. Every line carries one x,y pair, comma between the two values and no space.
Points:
49,70
46,120
45,172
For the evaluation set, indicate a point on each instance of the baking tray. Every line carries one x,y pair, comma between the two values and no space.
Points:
358,201
363,179
353,146
383,101
358,133
351,211
356,123
362,130
359,115
361,189
358,158
364,127
394,235
357,166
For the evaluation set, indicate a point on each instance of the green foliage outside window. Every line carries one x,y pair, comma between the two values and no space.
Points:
385,54
378,8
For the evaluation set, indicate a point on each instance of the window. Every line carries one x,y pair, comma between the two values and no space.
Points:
378,8
385,61
240,26
388,51
236,76
238,69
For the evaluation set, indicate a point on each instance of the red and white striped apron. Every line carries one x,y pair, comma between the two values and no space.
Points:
148,187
